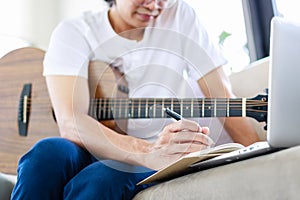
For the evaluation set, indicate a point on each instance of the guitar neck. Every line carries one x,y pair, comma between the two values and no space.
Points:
135,108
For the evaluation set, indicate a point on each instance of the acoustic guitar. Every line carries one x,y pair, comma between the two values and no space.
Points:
26,114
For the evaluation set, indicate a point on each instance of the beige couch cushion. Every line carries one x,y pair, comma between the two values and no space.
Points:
273,176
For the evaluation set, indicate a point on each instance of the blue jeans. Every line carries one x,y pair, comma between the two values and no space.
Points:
56,168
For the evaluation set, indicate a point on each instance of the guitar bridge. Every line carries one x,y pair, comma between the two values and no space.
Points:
24,110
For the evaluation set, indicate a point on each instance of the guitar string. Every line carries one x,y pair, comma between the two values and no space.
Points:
184,112
110,109
175,105
162,100
144,103
166,101
29,105
183,106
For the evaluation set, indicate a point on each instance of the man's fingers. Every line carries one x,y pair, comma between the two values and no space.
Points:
187,125
192,137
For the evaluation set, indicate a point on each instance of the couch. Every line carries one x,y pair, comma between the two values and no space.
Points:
273,176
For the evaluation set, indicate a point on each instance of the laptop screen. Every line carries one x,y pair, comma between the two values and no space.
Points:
284,84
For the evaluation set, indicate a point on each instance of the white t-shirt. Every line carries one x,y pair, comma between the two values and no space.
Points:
174,52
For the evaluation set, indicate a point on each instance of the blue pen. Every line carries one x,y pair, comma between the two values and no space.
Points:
173,114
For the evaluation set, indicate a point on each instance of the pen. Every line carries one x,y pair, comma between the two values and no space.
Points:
173,114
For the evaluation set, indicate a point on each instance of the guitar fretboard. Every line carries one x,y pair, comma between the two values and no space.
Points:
108,109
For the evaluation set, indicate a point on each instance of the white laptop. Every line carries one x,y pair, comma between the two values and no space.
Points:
284,92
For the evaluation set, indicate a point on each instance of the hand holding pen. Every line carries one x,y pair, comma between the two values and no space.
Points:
178,117
176,140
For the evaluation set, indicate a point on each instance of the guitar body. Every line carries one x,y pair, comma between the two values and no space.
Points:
18,68
23,66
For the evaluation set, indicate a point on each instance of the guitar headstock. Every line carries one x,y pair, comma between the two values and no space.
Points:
257,108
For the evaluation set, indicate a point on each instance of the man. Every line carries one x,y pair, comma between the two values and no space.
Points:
163,51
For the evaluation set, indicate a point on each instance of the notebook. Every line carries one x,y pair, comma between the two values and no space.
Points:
283,129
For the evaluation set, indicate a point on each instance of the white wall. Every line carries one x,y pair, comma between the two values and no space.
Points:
34,20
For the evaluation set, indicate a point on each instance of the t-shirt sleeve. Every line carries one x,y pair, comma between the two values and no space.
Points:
68,52
202,54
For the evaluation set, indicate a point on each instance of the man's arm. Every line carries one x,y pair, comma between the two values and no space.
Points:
70,99
217,85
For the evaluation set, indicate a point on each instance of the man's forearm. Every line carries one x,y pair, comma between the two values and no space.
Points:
102,142
241,130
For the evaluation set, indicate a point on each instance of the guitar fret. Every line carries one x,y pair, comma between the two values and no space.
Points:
172,104
139,109
97,104
109,109
154,108
99,107
181,106
227,108
126,109
132,108
192,108
120,108
129,108
146,108
104,109
162,107
243,107
215,107
115,110
202,115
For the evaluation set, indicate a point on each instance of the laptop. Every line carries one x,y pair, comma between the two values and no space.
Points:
284,92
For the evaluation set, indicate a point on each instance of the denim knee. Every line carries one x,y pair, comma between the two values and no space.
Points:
51,153
47,167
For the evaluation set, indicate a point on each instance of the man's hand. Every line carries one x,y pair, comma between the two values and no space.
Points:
176,140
